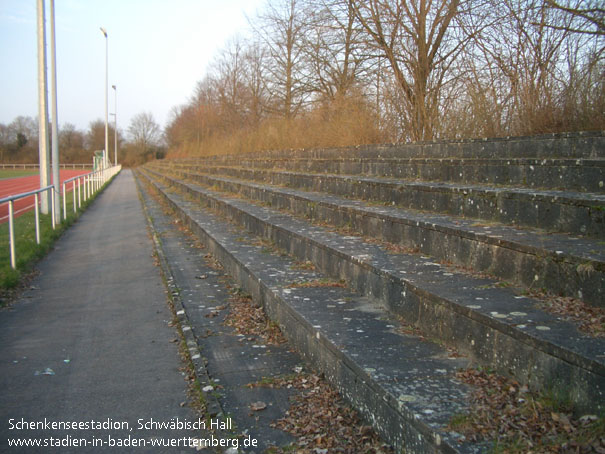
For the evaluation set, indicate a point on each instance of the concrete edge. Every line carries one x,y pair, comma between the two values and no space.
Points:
213,407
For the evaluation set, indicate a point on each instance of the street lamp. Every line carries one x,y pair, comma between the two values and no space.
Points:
105,153
115,123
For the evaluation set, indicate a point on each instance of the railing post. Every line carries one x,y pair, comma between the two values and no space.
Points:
73,189
37,211
64,203
11,234
52,207
79,194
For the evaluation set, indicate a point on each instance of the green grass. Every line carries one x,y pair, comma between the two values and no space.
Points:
26,249
14,173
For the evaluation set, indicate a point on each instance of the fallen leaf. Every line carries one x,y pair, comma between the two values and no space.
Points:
258,406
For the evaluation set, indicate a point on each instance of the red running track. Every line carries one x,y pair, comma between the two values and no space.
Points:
14,186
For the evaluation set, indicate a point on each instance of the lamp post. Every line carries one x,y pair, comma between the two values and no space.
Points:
105,152
115,124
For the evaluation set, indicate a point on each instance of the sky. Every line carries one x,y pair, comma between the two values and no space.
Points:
158,50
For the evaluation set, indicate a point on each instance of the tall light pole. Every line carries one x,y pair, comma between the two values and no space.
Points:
115,124
106,151
43,110
55,116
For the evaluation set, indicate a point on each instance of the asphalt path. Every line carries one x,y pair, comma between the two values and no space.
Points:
91,342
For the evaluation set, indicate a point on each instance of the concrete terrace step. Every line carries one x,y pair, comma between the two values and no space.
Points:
491,325
355,343
584,175
570,212
527,258
579,145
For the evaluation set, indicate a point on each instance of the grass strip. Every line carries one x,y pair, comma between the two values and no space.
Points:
16,173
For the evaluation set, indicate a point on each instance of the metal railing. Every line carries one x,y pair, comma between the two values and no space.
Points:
11,216
90,183
37,166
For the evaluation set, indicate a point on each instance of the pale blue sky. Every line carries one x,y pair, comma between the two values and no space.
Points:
158,50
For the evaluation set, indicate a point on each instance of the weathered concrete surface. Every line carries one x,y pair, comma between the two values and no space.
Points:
584,175
557,211
405,386
574,145
97,316
527,258
492,324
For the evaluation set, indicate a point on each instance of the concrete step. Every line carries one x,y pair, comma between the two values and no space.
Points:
569,212
553,262
225,360
582,175
404,385
492,325
580,145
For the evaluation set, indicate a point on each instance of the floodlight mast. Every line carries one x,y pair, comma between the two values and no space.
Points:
43,144
106,151
55,116
115,124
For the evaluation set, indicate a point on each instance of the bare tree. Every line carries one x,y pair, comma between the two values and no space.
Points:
529,54
281,28
24,129
144,131
255,60
332,48
228,79
583,93
589,16
419,42
4,135
70,137
71,144
410,69
94,138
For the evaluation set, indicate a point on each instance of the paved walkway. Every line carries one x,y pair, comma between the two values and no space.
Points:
90,342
